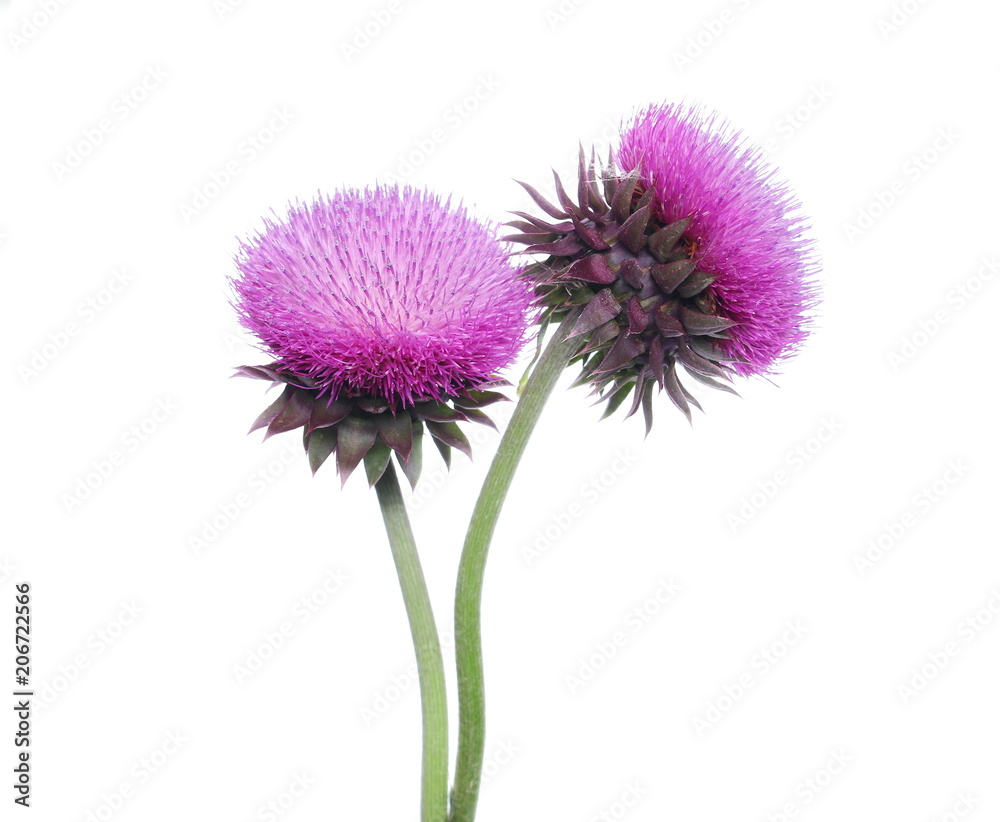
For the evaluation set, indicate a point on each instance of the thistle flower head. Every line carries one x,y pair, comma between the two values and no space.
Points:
383,309
744,231
389,293
694,259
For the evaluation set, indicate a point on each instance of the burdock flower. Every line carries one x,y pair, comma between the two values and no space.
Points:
694,257
385,310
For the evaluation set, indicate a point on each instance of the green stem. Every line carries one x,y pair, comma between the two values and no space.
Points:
430,664
472,567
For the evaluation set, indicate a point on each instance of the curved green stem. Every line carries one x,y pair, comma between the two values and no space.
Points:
472,567
430,664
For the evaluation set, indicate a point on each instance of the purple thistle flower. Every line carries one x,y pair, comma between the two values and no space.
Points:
387,293
385,310
694,259
743,225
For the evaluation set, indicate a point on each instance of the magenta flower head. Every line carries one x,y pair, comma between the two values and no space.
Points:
694,258
384,310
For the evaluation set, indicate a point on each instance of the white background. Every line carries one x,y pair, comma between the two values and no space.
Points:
882,120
